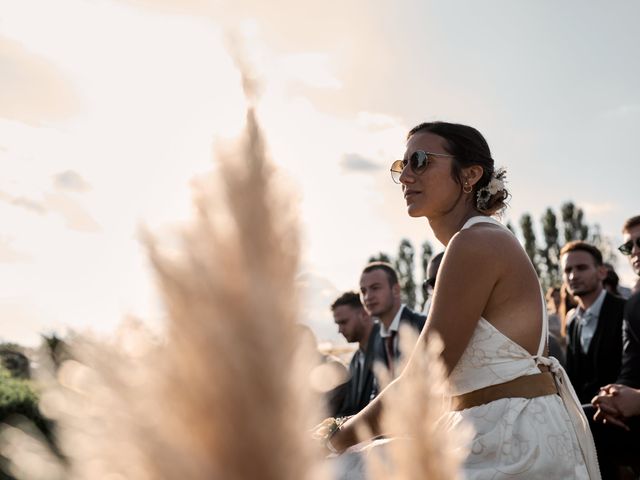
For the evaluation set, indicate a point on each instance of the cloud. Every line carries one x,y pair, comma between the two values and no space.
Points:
8,254
70,181
357,163
23,202
596,209
32,90
74,215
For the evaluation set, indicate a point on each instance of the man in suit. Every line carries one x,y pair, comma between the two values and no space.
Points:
616,424
594,331
380,293
355,325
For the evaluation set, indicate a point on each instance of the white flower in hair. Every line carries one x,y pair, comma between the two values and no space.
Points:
495,185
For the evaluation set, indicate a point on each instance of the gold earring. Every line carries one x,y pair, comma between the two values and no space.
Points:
467,188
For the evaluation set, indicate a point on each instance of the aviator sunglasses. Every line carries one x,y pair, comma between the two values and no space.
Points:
627,247
418,161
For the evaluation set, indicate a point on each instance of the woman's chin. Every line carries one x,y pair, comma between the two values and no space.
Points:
414,211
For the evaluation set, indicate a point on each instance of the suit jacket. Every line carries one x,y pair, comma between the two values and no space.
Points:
360,389
601,364
407,317
630,370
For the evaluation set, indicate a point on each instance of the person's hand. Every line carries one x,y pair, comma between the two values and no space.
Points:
325,430
625,399
615,403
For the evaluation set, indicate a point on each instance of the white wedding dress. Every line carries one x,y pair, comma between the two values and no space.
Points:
540,438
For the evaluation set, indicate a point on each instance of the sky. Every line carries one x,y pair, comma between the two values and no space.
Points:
110,108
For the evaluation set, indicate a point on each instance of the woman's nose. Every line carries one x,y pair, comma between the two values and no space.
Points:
407,177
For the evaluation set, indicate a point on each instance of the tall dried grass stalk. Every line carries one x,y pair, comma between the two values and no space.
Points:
225,394
423,445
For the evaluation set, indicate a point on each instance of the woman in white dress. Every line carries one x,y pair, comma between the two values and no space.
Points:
489,311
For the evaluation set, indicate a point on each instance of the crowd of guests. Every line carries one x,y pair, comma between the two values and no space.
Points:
594,331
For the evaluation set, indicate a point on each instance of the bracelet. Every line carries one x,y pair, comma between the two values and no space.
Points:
330,446
333,428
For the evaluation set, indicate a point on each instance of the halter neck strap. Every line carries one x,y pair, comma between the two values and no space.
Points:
481,219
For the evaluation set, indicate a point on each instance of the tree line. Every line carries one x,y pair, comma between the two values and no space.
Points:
557,229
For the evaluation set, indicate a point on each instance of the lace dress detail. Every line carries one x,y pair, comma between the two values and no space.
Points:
545,438
540,438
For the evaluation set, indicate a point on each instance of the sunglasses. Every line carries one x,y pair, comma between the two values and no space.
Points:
418,161
627,247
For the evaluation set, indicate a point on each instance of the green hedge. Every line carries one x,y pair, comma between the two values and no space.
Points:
18,397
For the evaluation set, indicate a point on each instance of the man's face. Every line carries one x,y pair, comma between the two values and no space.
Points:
633,234
580,273
378,296
351,322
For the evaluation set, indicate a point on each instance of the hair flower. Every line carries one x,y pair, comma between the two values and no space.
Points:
495,185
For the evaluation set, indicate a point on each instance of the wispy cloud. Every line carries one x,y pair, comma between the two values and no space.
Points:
32,90
8,254
591,208
70,181
74,215
23,202
358,163
72,212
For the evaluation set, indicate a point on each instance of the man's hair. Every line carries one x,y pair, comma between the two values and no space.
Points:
351,299
630,223
392,275
579,245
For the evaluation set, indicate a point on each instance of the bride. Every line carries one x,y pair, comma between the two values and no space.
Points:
489,311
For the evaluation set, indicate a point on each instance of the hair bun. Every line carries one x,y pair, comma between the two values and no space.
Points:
492,197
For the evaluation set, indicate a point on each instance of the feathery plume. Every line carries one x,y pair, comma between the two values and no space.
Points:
422,443
224,395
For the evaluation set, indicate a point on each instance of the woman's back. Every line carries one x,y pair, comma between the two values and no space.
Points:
514,306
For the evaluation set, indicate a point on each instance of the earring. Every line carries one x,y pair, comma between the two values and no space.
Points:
467,188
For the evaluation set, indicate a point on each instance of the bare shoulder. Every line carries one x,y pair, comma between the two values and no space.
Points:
484,243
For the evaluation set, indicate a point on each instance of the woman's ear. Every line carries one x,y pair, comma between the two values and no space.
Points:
472,174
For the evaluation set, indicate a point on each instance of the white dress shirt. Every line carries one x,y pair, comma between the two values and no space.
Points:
589,320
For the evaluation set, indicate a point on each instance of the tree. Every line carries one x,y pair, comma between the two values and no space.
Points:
526,225
550,253
573,223
404,266
427,253
380,257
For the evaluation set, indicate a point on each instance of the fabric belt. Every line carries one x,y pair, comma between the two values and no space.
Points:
527,386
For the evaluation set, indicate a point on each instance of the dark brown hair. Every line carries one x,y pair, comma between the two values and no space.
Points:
392,275
468,147
351,299
579,245
630,223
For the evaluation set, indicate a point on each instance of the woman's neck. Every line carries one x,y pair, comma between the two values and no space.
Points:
446,226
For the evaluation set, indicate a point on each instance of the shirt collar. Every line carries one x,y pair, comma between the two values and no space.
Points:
594,309
395,324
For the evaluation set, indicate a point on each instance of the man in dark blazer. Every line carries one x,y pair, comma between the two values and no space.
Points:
615,415
355,325
380,293
594,331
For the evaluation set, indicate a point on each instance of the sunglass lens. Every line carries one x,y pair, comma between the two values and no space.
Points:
627,248
396,170
419,161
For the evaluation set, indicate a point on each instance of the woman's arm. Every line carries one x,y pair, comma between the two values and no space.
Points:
466,279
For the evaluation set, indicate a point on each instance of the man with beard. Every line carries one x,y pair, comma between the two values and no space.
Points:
355,325
380,293
594,331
